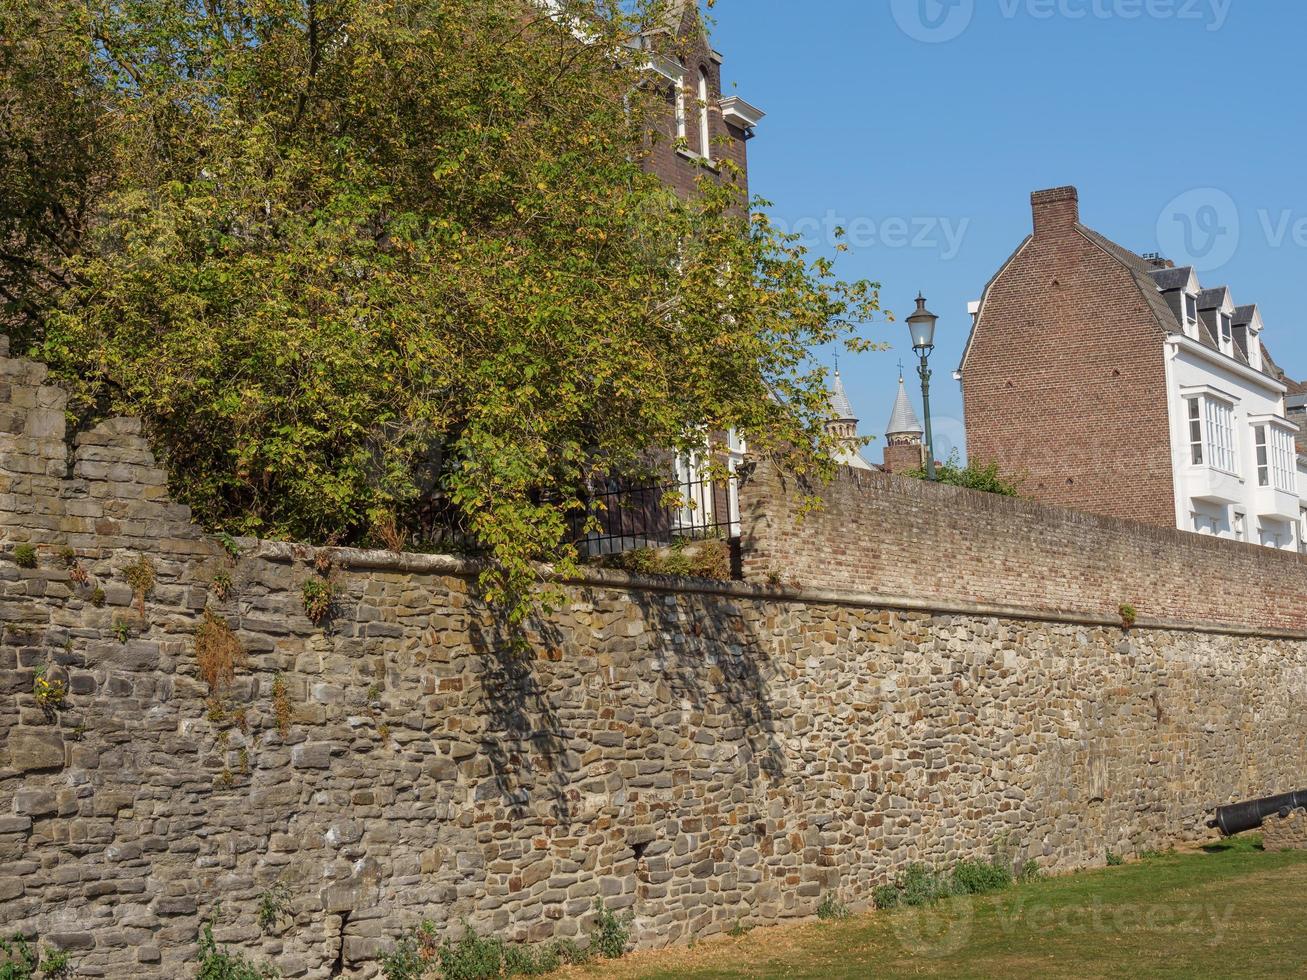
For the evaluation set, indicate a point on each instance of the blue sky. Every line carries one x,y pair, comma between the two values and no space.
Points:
929,122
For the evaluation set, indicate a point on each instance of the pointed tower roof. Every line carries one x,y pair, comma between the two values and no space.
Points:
841,409
903,421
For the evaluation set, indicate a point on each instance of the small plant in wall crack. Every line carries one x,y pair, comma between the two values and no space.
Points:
122,630
1129,615
217,653
274,905
25,555
222,585
318,596
51,695
23,961
281,705
141,575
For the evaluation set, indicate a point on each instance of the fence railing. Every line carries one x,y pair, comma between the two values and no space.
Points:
619,518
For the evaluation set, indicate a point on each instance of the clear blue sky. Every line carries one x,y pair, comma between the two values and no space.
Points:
1184,118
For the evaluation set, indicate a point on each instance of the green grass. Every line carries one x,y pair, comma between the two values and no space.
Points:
1229,911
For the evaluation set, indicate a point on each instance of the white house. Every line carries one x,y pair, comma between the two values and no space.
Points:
1234,454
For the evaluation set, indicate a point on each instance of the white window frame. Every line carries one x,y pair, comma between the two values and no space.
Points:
1214,414
1225,328
705,122
682,109
1276,454
1190,303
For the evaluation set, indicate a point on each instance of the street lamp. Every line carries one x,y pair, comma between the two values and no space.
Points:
922,326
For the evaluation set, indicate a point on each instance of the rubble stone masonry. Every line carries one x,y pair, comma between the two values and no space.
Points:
698,754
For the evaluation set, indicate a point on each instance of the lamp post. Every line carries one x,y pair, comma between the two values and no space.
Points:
922,326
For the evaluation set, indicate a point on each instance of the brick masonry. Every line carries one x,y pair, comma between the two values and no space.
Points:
698,754
1064,380
898,537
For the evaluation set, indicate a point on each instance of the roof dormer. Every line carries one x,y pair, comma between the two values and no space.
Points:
1248,335
1216,311
1180,289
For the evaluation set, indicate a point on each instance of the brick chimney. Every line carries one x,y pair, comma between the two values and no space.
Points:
1056,211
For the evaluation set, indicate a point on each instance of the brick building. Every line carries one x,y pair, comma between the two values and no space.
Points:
1117,384
701,129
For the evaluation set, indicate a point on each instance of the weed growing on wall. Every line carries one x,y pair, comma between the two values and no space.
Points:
51,695
222,585
23,961
25,555
317,595
281,705
274,905
1129,615
218,653
612,934
216,963
141,576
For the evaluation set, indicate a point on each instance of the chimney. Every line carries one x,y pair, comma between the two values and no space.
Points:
1056,211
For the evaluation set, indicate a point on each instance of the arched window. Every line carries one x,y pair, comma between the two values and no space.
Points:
705,128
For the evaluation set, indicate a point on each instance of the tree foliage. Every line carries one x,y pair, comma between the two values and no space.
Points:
356,262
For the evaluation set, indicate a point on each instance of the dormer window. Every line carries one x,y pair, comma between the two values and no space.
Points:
1227,333
705,123
1190,313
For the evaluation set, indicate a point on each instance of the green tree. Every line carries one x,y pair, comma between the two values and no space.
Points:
356,261
985,477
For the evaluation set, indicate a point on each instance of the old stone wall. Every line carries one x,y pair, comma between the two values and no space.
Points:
947,548
696,754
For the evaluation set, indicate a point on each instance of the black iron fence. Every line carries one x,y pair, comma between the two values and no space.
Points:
619,518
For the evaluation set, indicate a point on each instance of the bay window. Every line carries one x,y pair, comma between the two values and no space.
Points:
1211,433
1276,463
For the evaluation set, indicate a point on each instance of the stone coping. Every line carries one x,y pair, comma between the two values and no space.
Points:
421,564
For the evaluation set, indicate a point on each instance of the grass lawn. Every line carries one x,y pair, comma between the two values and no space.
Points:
1229,911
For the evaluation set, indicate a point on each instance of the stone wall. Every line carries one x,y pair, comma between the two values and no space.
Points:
947,548
697,754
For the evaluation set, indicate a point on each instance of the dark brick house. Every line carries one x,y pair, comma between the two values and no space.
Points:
1115,383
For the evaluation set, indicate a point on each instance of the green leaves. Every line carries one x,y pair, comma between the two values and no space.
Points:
359,258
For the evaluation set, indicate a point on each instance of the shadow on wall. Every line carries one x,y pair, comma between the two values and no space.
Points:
676,676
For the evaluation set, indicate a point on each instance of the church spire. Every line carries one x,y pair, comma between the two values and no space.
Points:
903,422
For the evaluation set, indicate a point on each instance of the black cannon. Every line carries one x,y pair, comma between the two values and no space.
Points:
1238,817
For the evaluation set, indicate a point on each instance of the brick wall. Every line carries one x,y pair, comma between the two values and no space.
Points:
1064,382
898,537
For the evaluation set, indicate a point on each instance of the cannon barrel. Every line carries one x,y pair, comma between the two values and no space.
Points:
1238,817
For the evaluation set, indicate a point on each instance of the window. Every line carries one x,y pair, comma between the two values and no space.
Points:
1211,433
1240,526
1220,434
705,124
1227,333
1195,431
1276,458
1191,315
682,115
1263,456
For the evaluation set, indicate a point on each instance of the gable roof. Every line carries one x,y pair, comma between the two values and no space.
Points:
1142,271
1215,299
1169,279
